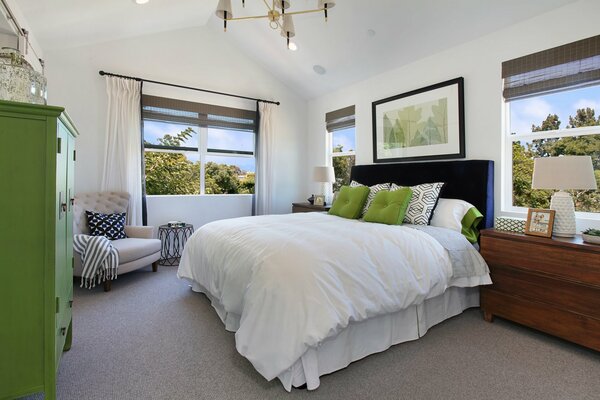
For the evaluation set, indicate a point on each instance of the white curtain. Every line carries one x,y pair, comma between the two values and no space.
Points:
264,170
122,151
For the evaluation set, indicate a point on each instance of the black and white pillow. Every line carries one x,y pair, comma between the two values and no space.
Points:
111,226
373,190
422,202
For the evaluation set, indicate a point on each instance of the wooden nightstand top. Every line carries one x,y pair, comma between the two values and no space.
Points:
574,242
307,207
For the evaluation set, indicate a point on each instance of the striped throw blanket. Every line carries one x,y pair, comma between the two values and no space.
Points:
99,258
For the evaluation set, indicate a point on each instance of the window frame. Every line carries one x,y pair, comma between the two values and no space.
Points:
331,154
507,207
202,150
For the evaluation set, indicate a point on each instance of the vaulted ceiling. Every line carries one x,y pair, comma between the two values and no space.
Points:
361,38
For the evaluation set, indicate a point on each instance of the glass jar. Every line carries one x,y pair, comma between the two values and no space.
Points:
18,80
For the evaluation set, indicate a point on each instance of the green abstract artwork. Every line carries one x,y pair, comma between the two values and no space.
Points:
422,124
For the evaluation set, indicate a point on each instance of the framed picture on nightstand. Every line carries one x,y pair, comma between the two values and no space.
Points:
539,222
319,200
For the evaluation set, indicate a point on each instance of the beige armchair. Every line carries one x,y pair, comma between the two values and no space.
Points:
138,250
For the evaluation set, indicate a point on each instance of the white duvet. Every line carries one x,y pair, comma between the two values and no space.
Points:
298,279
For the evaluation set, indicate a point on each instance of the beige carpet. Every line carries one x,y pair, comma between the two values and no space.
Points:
151,337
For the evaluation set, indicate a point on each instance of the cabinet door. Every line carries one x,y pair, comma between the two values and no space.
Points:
23,157
61,234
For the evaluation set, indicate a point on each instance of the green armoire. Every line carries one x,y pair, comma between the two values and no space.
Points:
37,159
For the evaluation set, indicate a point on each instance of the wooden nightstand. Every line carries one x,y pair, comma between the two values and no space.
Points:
307,207
552,285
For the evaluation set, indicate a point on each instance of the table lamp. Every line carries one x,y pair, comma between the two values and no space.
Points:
324,175
563,173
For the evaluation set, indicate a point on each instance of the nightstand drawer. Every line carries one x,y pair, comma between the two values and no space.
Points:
575,297
572,264
571,326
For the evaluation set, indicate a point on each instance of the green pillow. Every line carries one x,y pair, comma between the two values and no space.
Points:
389,207
349,202
469,224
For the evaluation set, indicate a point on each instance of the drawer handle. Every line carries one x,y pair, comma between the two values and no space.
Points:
63,331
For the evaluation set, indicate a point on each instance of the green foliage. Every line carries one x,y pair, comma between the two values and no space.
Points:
226,179
173,173
523,156
592,232
341,167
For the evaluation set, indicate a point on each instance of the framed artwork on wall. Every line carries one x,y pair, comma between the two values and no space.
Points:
423,124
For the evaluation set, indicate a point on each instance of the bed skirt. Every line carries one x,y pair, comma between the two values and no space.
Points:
360,339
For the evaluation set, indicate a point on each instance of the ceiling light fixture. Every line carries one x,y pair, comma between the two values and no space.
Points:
141,1
293,46
277,15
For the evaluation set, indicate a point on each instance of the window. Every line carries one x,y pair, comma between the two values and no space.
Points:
193,148
341,144
552,109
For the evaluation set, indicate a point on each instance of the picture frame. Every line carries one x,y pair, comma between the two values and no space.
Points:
540,222
423,124
319,200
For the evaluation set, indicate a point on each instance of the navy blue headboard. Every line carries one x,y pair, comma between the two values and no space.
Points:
469,180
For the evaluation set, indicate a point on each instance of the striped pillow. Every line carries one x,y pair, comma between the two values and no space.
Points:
372,192
423,201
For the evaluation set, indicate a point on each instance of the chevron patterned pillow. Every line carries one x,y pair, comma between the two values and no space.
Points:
372,192
422,203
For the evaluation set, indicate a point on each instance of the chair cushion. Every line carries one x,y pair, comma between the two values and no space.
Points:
131,249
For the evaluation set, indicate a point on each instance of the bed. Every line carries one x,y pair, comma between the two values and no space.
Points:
309,293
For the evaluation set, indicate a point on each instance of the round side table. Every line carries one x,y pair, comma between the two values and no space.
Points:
172,240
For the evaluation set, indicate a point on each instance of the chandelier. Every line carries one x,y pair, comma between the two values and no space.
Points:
277,15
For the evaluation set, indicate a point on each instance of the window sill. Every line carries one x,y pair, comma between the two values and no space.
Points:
584,220
168,196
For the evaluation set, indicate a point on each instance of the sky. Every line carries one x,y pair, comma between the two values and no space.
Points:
534,110
346,138
217,139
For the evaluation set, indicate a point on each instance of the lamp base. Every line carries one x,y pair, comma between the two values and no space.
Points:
564,219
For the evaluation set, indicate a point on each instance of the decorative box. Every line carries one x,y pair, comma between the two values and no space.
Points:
510,224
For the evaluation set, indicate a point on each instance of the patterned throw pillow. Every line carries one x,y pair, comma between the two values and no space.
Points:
111,226
422,203
372,192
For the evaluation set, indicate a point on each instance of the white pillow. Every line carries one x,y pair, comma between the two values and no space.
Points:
449,213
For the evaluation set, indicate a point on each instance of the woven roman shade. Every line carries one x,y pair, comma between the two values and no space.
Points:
340,119
199,114
573,64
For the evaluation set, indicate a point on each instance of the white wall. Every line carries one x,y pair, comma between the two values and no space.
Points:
193,57
479,62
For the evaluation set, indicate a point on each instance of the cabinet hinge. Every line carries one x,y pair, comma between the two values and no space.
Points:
59,146
57,305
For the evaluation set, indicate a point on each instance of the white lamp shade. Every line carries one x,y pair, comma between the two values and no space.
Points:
288,26
224,5
563,173
324,174
330,4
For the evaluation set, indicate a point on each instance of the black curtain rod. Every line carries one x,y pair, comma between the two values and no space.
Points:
102,73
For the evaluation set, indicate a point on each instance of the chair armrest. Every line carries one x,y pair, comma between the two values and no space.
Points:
139,232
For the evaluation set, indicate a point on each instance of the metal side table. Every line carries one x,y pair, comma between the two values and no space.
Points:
172,240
